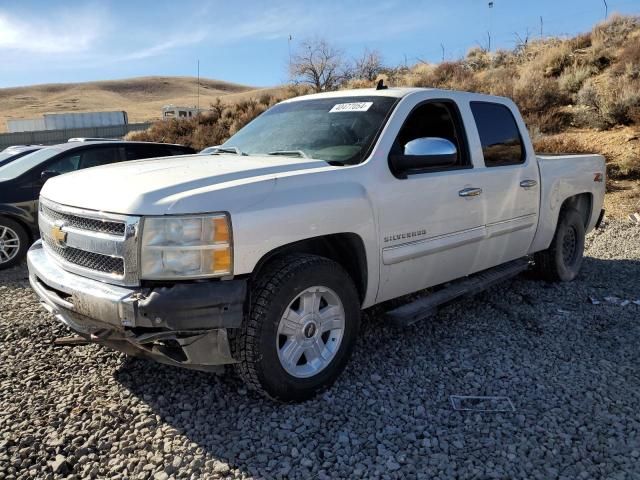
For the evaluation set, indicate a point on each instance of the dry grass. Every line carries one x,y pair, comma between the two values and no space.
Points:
142,98
620,147
215,126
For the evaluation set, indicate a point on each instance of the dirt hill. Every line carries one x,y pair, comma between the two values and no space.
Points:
578,95
142,97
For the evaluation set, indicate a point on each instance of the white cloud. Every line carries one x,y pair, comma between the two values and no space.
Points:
165,45
62,34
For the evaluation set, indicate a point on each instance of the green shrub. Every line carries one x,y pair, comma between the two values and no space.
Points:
613,101
211,128
628,61
534,92
571,81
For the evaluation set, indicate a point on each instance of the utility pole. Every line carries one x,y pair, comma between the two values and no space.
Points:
289,46
442,47
198,101
541,24
606,9
490,24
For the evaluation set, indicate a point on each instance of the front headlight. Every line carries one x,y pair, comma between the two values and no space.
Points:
186,247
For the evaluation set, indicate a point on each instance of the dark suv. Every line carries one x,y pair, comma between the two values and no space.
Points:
21,181
10,154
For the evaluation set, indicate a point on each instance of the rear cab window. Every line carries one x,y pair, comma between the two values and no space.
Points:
499,134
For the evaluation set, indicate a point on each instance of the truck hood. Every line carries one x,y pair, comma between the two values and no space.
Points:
175,185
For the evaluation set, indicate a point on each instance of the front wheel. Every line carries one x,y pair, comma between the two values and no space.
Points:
14,242
563,259
301,328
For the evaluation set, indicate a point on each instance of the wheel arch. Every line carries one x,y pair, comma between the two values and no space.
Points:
550,216
20,222
582,202
347,249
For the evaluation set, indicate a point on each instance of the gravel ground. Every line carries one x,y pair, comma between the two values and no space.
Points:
571,369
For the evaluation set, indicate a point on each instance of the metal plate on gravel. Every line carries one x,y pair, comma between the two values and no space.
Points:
481,404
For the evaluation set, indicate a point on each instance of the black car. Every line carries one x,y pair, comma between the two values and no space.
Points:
21,181
10,154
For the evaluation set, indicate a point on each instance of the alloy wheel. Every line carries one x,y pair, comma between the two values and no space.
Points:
9,244
310,332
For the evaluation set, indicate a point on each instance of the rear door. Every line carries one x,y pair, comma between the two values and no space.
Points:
140,151
94,157
510,183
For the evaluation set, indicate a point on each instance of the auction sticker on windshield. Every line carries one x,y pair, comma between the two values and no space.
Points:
351,107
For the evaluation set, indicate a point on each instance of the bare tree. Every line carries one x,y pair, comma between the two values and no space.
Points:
319,64
369,65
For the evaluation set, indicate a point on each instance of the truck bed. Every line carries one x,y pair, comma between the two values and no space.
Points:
563,176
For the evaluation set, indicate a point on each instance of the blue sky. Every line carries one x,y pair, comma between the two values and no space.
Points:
48,41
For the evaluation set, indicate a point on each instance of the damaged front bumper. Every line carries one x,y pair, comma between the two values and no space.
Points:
184,324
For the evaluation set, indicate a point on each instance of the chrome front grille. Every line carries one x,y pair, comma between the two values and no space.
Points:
84,223
90,260
91,243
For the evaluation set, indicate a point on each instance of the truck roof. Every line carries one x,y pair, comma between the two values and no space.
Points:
397,92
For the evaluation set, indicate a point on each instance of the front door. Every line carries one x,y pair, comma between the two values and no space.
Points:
432,223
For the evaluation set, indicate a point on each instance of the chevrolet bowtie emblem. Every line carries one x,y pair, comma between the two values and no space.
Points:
59,236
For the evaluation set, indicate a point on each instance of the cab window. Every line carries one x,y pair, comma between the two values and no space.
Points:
499,134
435,119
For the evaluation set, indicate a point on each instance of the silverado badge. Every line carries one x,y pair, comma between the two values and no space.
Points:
58,235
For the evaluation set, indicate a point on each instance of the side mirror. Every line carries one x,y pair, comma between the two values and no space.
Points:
422,153
47,174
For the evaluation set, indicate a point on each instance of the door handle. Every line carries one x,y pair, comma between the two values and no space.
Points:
470,192
528,183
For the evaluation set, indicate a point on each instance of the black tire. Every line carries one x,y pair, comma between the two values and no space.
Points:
10,229
255,344
561,262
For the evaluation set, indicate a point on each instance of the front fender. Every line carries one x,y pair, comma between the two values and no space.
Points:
293,213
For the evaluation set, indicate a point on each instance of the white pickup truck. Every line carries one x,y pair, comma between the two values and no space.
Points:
263,253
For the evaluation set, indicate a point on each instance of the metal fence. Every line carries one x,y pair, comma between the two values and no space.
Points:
52,137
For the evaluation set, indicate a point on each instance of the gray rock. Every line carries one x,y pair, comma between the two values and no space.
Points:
60,465
570,376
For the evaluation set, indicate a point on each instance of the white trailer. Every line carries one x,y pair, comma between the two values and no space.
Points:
64,121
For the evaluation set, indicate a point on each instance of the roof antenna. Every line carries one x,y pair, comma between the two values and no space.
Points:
381,85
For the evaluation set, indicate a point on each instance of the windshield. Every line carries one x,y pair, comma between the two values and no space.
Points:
22,165
6,157
340,129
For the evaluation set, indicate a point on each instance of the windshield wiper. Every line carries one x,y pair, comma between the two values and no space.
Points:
289,153
235,150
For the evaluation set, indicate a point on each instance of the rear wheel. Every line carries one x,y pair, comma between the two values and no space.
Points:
14,242
563,259
301,328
